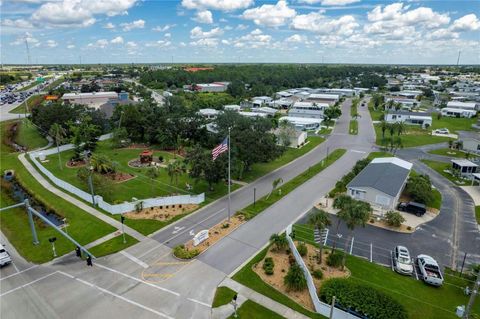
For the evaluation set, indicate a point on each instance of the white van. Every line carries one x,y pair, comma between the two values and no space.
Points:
5,258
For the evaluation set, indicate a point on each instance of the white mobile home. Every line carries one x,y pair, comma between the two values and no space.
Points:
464,167
472,106
303,123
447,111
410,118
470,141
307,109
323,98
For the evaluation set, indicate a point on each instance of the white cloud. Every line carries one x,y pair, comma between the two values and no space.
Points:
163,28
204,16
255,39
198,33
77,13
17,24
117,40
442,34
109,26
131,45
160,44
320,23
270,15
222,5
228,28
241,27
330,2
468,22
71,46
137,24
27,36
206,42
167,35
51,43
296,38
102,44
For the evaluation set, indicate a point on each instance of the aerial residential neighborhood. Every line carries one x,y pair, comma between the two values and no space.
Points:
240,159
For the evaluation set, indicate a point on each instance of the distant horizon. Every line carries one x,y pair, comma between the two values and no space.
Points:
412,32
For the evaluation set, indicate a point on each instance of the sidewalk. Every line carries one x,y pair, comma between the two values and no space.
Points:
245,293
92,211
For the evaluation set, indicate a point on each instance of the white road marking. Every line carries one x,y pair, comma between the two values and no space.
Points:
200,302
177,229
15,266
111,293
355,151
138,280
18,273
192,233
27,284
134,259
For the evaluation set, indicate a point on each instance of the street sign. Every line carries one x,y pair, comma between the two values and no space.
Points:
200,237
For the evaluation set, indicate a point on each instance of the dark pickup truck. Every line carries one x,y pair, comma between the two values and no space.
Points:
413,207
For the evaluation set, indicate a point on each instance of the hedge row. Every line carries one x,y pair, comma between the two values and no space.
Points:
341,185
362,299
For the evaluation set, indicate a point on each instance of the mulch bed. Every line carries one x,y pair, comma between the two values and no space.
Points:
74,164
119,177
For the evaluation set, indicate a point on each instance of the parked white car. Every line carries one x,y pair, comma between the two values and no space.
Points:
429,270
5,258
442,131
402,263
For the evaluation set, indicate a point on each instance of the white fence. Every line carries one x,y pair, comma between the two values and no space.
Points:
320,307
112,209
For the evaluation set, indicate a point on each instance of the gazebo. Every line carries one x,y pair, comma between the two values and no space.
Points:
146,157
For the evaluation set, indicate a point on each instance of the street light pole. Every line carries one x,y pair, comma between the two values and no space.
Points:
122,218
471,301
90,185
52,240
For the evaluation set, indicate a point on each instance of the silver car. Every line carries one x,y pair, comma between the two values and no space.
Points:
402,263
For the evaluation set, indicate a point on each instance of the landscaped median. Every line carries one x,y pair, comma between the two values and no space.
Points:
268,200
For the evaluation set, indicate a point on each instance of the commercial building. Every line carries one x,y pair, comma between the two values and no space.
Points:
381,182
211,87
93,99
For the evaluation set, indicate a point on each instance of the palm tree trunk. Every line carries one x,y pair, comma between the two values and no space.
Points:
320,250
335,240
59,156
344,259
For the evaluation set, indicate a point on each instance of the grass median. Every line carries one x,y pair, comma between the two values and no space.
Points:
113,245
266,201
353,127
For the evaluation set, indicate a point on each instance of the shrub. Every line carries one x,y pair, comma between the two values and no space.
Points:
294,279
362,298
394,219
302,249
335,259
268,266
317,274
279,241
181,252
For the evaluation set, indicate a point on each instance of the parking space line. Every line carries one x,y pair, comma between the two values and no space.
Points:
15,266
27,284
171,263
199,302
111,293
138,280
134,259
157,275
18,273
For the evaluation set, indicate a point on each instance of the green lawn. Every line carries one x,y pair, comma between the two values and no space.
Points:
28,136
477,214
439,167
252,310
414,136
437,199
260,169
139,187
419,299
353,127
452,123
223,296
264,202
450,153
14,223
113,245
32,101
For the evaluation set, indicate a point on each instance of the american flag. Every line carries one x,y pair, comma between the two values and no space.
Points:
222,147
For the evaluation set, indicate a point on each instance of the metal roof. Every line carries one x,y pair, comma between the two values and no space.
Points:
387,176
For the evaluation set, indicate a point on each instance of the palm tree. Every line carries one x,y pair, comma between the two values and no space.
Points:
58,133
340,202
102,164
279,241
390,104
391,128
275,184
355,214
175,169
320,221
383,127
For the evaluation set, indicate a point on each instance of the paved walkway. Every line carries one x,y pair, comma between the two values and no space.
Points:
245,293
92,211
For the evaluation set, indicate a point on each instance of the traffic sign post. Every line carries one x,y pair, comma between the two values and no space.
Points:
52,240
122,218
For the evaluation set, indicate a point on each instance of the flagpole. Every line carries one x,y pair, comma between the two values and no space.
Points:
229,180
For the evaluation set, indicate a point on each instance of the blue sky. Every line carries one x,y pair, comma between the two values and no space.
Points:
300,31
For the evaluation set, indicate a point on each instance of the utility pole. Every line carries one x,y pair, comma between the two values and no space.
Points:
28,51
471,301
90,184
229,180
458,58
31,222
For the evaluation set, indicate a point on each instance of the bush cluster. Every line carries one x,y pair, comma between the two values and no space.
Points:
181,252
268,266
295,279
318,274
335,259
302,249
394,219
341,185
362,299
